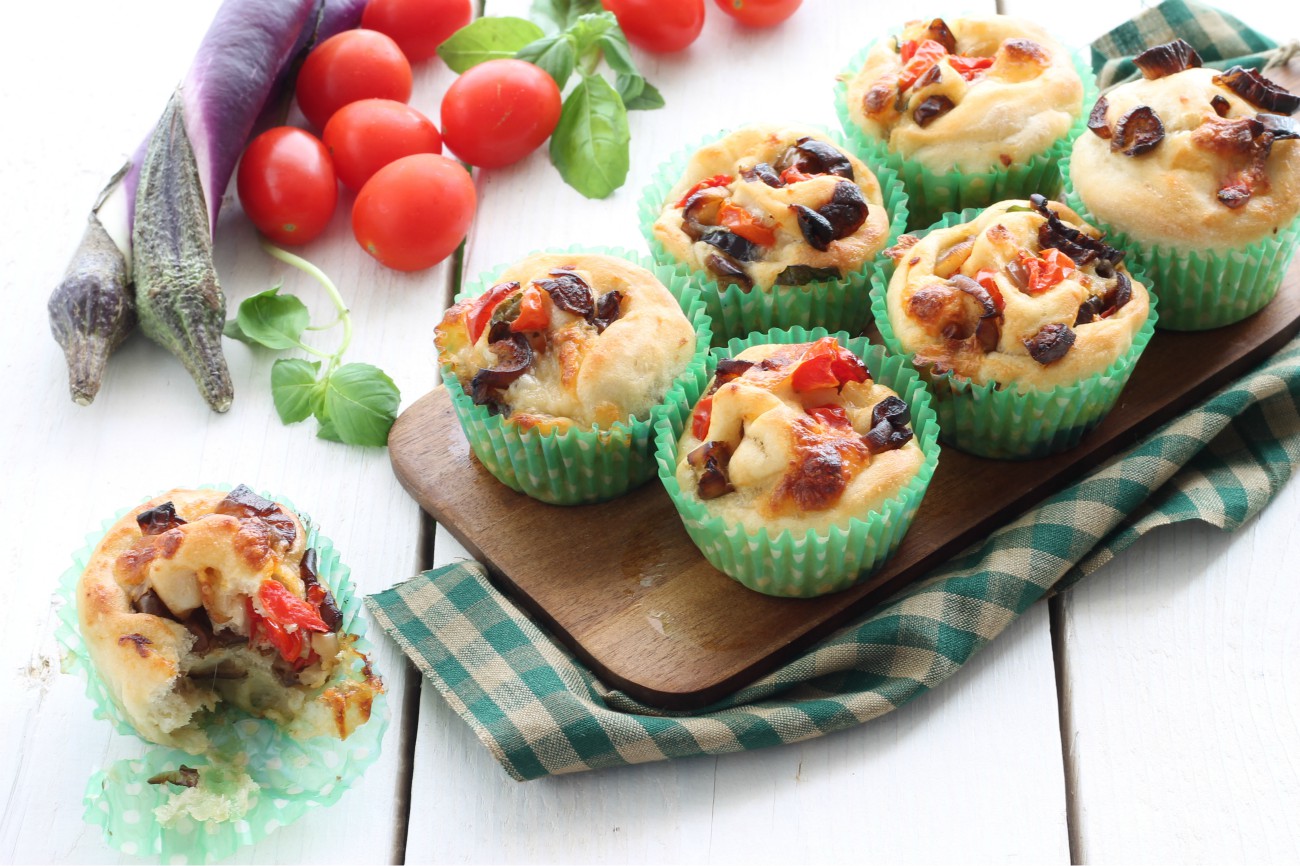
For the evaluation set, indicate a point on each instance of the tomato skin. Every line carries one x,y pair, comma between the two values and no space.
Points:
500,111
355,64
759,13
287,185
414,212
417,26
366,135
659,26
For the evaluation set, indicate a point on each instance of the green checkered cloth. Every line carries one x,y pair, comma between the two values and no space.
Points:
540,712
1220,39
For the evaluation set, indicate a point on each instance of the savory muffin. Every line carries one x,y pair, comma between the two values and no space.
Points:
970,94
1189,157
200,597
796,436
567,340
1026,295
768,206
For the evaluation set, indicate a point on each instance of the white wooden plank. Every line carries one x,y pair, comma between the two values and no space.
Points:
973,772
83,85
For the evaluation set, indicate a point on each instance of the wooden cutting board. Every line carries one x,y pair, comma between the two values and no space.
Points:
623,586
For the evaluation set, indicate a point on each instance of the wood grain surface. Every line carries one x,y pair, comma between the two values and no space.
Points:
626,589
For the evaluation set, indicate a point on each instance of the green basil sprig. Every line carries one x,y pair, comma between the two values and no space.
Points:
590,143
353,403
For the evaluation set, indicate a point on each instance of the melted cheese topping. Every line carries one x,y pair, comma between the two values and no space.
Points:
921,284
742,150
580,376
1168,195
789,469
1005,115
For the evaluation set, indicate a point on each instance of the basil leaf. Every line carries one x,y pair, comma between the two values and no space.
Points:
590,143
555,54
295,389
360,404
270,319
325,430
487,39
617,53
646,99
589,28
561,14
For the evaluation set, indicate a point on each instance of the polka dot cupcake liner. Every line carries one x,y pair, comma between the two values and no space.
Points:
291,776
573,467
1007,423
1204,289
810,564
841,304
931,194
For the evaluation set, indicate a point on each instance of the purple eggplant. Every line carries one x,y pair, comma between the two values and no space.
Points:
147,251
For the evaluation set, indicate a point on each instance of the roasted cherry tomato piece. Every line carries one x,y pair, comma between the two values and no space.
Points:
355,64
481,310
534,311
701,417
364,136
287,185
918,58
659,26
832,416
500,111
759,13
826,364
417,26
745,224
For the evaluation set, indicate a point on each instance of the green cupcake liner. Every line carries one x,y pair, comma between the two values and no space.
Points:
1203,289
835,304
293,776
806,565
572,467
932,194
1003,423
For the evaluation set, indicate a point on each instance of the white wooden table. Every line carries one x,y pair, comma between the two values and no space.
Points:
1152,714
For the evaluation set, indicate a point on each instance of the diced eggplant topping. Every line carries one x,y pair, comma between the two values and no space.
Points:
728,270
880,96
950,260
764,172
732,244
889,430
817,230
607,311
329,609
728,370
1138,132
931,109
1220,104
514,356
988,309
1113,299
846,211
185,777
244,503
1167,59
151,603
709,461
1279,126
570,293
1258,90
1247,141
1050,343
1016,271
701,211
810,156
939,32
988,333
1081,248
932,76
158,520
1097,118
1123,290
802,275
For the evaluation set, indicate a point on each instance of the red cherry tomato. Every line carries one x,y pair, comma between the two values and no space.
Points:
367,135
759,13
355,64
659,26
417,26
287,185
414,212
499,112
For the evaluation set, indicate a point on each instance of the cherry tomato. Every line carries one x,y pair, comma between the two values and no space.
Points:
414,212
417,26
499,112
759,13
367,135
355,64
287,185
659,26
